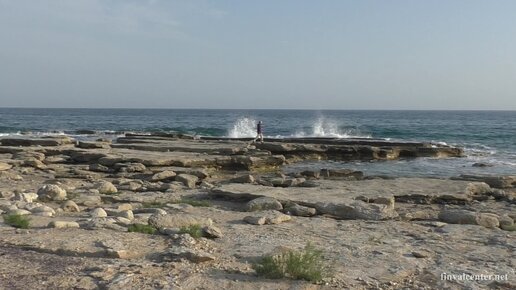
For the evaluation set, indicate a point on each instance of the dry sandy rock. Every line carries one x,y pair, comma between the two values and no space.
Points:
63,224
106,187
51,192
70,206
264,203
178,220
187,179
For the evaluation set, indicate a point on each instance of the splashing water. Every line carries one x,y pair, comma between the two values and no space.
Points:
328,128
243,128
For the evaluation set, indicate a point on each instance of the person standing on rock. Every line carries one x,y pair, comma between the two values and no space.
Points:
259,132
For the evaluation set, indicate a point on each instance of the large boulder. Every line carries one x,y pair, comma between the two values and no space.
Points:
51,192
264,203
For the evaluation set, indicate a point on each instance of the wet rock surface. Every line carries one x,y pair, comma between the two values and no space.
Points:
175,212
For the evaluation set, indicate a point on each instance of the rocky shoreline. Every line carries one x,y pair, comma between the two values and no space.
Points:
83,197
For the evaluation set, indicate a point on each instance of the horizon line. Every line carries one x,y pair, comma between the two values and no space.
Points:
255,109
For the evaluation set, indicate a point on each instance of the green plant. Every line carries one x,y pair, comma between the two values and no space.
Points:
153,204
17,221
193,230
194,202
307,264
510,228
141,228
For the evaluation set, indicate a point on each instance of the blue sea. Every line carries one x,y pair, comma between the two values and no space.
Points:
487,136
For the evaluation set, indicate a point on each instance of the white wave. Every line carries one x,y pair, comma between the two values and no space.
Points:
10,134
243,128
329,128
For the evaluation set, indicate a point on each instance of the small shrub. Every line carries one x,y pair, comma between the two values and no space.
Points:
141,228
193,230
153,204
17,221
307,264
511,228
195,202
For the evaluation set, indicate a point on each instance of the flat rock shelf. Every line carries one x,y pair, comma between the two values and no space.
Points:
167,211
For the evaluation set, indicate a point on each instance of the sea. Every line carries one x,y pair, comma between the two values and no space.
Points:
487,137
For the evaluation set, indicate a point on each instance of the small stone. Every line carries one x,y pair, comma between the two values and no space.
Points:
421,254
212,232
264,203
51,192
70,206
33,162
98,213
488,220
187,179
63,224
19,212
26,196
299,210
243,179
506,221
164,176
5,166
42,208
195,256
255,220
125,206
106,187
128,214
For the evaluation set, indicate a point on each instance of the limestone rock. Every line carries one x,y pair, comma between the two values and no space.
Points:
63,224
506,221
19,212
248,178
106,187
125,206
164,176
26,196
187,179
33,162
342,173
128,214
130,167
264,203
468,217
488,220
70,206
98,213
255,220
99,168
357,210
5,166
195,256
458,217
267,217
51,192
212,232
43,209
299,210
178,220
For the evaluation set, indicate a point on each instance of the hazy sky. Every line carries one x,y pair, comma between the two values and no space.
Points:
258,54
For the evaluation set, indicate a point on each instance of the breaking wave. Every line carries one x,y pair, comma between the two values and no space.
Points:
246,128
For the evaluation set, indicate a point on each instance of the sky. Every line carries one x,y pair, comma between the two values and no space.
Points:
269,54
